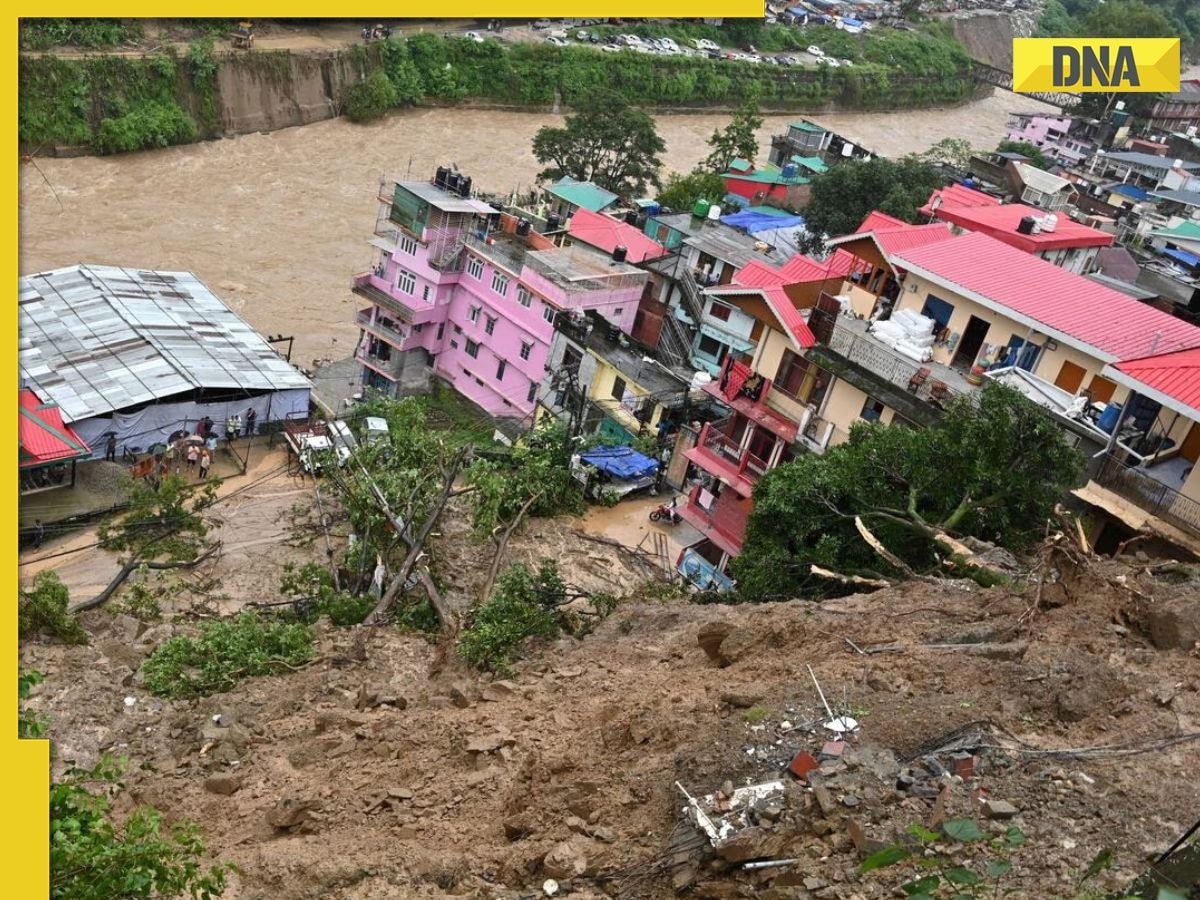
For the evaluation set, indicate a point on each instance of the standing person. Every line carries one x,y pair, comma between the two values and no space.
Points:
193,455
208,425
251,421
230,422
202,428
210,444
205,462
170,459
110,448
39,533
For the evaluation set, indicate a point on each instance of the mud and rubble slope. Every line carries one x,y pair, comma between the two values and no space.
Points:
364,776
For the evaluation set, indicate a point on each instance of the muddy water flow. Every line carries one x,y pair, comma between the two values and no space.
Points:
277,223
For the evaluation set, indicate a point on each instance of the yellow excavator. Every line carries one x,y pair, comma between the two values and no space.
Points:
242,37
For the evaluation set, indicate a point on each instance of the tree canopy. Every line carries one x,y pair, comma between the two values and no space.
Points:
1030,151
842,197
682,191
737,140
992,471
606,142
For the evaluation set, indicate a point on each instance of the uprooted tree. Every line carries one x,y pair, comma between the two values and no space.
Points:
893,501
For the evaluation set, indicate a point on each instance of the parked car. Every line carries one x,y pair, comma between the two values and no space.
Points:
668,44
610,48
558,33
474,36
847,63
794,61
582,36
557,41
816,51
704,44
542,24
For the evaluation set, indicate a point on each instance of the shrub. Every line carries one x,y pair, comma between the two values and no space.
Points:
524,605
150,125
369,99
225,653
312,586
29,723
42,609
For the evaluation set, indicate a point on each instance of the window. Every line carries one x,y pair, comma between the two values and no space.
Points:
571,360
454,344
938,310
475,267
406,282
532,395
473,315
499,284
548,313
720,311
618,311
790,376
406,245
711,347
872,410
472,349
526,350
501,365
618,389
419,327
490,327
441,330
524,297
425,294
457,329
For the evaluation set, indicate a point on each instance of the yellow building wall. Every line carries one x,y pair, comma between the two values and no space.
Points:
1191,487
600,393
767,357
843,407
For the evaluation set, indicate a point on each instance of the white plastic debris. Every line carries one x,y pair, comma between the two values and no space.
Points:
550,887
130,701
842,725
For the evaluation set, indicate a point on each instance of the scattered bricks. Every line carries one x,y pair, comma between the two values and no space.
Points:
904,781
833,749
964,765
999,809
803,763
824,798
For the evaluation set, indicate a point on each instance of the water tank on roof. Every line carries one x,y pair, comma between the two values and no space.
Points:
631,217
619,254
714,213
464,187
790,170
452,182
1049,223
1027,224
440,177
1108,418
700,210
552,221
523,227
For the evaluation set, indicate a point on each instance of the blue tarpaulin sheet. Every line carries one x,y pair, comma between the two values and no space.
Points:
753,221
1188,259
621,462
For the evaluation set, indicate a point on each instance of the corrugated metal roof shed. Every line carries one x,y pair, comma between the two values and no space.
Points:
1174,376
95,339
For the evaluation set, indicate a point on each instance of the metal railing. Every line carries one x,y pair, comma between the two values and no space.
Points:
715,441
392,335
674,341
1149,494
389,368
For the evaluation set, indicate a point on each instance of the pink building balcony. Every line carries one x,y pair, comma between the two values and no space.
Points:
410,310
754,406
381,327
389,367
722,457
723,521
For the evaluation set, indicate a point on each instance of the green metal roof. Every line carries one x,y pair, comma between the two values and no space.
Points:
808,126
771,211
741,165
583,194
812,163
1188,231
767,175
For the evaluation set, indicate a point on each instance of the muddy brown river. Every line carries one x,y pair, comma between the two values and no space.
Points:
277,223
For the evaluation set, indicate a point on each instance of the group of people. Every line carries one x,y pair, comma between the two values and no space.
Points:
198,455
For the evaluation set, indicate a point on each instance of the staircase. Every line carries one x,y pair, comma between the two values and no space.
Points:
693,300
674,341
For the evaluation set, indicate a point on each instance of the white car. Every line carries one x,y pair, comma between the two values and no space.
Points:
668,44
558,33
794,61
816,51
704,44
847,64
610,48
557,41
474,36
832,62
631,40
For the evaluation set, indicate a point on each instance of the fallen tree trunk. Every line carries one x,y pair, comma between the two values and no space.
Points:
132,566
849,579
501,543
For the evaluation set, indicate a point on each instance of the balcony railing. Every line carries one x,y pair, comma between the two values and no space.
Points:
738,466
388,367
390,333
1149,494
873,356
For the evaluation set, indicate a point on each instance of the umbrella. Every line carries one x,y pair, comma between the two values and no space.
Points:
193,439
156,449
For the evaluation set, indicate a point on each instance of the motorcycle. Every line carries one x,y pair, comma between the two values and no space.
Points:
668,511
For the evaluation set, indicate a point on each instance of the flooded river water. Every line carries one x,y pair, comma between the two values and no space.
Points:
277,223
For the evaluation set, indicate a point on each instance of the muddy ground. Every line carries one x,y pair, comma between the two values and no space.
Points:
385,769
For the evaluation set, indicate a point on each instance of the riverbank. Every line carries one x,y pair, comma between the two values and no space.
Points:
109,103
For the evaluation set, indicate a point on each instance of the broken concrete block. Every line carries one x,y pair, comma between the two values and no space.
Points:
292,811
803,763
999,809
224,784
565,860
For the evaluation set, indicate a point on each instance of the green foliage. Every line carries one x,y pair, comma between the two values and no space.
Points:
606,142
369,99
42,609
842,197
150,125
202,65
756,714
539,465
944,872
312,586
1055,21
1030,151
143,858
682,191
226,652
166,520
29,723
993,471
738,139
42,34
524,605
141,598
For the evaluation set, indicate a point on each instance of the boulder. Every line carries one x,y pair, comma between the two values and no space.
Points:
565,860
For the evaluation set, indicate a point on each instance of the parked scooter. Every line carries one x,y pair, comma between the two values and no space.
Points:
668,511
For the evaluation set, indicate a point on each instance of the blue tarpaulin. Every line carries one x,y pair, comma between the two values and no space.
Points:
752,221
1188,259
621,462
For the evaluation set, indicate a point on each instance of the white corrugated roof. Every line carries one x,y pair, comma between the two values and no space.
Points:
95,339
1040,180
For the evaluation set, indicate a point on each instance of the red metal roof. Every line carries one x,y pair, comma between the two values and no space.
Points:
1105,321
1001,223
894,236
42,435
879,220
606,233
1177,375
959,195
799,269
780,304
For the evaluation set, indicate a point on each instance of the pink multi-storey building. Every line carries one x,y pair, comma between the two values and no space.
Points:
466,293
